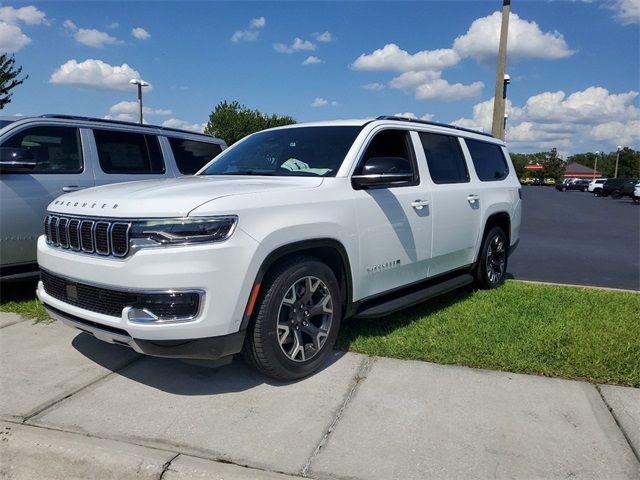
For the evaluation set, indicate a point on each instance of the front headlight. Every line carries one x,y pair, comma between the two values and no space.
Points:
181,231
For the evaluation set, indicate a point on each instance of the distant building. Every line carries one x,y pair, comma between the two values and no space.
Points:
575,170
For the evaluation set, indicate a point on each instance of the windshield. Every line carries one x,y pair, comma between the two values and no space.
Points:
298,151
4,123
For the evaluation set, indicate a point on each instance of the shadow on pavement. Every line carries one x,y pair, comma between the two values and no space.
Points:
176,377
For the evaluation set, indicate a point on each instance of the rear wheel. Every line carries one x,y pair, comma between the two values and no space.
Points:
564,189
616,194
492,262
597,192
636,200
297,321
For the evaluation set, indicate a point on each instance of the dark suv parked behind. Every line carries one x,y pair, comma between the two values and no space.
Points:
615,186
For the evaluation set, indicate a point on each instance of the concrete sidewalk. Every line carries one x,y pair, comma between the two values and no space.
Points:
74,407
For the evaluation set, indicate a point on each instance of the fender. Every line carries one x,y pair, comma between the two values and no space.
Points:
294,247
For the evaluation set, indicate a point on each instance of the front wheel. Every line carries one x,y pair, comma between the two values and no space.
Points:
297,320
616,194
492,262
636,200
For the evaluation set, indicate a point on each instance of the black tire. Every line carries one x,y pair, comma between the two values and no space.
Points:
262,348
481,272
636,200
597,192
564,189
616,194
584,189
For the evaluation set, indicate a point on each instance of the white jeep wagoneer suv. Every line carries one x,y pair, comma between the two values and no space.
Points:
278,239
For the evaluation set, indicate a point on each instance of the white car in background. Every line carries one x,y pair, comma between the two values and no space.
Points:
595,186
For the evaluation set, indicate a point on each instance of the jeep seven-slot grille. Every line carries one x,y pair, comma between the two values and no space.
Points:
101,237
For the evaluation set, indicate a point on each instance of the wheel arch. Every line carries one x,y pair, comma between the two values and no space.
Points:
500,219
328,250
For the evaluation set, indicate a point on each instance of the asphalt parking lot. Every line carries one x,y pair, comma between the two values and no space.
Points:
576,238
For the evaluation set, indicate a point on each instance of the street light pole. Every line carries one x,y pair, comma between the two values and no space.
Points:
595,164
139,84
497,126
615,175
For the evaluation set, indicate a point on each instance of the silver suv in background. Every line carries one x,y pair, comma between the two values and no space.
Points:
44,157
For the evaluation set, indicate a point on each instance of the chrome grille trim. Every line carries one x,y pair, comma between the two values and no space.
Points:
90,236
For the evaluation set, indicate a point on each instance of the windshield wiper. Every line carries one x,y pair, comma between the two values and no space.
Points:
249,172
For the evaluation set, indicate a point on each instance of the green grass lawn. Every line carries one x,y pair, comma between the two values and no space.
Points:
521,327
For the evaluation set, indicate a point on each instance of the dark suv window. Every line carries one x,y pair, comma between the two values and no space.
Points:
53,149
129,153
393,144
191,155
488,160
444,158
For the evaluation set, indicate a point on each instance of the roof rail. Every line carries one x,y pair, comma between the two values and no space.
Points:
435,124
117,122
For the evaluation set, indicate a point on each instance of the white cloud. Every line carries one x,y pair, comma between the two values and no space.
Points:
113,26
124,117
627,11
140,33
29,15
440,89
618,133
184,125
428,85
252,33
374,87
11,38
393,58
312,60
297,46
553,119
427,116
525,40
95,74
319,102
132,108
259,22
324,36
94,38
90,36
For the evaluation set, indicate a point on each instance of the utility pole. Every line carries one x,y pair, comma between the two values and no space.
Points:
595,164
497,126
615,175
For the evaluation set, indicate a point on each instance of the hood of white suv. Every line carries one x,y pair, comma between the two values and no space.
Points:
168,198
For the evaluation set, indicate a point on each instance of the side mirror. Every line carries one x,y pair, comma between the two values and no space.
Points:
16,159
381,172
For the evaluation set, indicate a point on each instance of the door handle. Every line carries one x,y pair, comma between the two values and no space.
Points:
473,197
419,204
72,188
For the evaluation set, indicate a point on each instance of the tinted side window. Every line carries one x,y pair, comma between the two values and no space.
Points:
488,160
53,149
390,143
191,156
127,152
444,157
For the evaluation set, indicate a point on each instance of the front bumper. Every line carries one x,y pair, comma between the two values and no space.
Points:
212,348
224,272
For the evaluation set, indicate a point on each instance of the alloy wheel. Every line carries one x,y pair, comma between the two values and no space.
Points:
496,259
304,318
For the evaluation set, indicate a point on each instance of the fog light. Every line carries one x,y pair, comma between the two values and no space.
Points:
164,307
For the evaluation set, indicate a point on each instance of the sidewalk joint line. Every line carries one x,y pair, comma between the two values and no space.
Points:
358,378
166,466
618,424
42,409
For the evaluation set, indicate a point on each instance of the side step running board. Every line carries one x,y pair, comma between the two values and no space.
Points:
410,299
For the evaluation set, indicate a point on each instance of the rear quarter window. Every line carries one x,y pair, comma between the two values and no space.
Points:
192,155
488,160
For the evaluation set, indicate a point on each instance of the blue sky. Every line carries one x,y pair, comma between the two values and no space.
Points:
574,64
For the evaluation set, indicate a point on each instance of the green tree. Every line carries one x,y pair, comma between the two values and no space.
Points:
628,166
521,160
233,121
554,165
9,78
